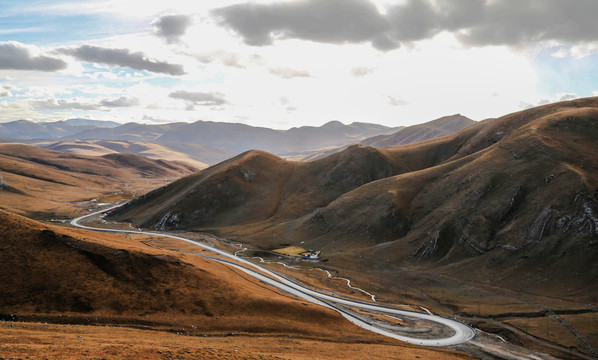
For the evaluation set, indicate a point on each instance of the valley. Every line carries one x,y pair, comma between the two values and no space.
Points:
476,227
438,223
299,179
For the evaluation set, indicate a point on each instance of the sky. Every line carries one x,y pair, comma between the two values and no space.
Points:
288,63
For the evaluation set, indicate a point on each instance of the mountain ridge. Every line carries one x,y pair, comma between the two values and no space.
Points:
483,192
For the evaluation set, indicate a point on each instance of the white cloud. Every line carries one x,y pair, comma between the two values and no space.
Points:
361,71
288,73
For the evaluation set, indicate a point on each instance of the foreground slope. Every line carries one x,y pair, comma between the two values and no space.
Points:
51,274
49,271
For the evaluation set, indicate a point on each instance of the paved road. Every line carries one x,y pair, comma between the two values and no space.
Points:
461,332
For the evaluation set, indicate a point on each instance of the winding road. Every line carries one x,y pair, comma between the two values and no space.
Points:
460,331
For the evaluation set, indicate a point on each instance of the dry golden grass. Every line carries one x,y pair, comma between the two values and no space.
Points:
73,276
55,184
50,341
104,147
586,324
291,251
548,328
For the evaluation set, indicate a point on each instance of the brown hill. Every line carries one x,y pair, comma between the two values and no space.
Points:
45,183
51,274
443,126
259,187
519,187
104,147
47,271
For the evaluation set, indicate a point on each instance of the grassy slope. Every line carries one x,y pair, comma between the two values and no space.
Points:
50,183
104,147
48,270
70,276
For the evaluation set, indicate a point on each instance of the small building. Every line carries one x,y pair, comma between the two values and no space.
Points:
310,255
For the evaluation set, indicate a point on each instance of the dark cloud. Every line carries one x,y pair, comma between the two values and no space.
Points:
15,56
288,73
199,98
63,105
123,58
475,22
120,102
331,21
522,22
172,27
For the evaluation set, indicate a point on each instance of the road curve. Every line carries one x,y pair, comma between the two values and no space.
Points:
461,332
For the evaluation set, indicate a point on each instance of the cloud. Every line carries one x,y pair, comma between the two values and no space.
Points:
361,71
120,102
172,27
331,21
567,96
63,105
396,102
474,22
5,90
288,73
218,56
520,22
199,98
22,30
123,58
16,56
549,100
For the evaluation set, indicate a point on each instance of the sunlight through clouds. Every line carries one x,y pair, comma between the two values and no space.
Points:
356,60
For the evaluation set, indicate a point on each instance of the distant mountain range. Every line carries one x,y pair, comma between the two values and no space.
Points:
430,130
205,142
234,138
28,130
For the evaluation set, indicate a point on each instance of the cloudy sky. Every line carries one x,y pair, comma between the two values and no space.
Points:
292,62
